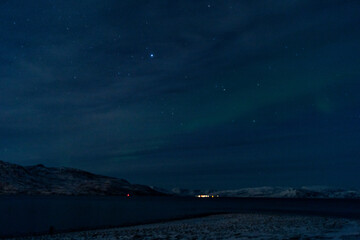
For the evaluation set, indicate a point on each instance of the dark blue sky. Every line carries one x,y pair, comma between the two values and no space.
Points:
199,94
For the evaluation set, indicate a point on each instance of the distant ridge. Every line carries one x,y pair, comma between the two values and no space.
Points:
40,180
273,192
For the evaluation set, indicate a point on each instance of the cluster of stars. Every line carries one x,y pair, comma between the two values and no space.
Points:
220,87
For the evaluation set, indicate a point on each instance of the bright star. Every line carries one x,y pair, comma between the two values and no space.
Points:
152,55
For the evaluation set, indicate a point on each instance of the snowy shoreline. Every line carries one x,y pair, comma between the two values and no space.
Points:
227,226
39,235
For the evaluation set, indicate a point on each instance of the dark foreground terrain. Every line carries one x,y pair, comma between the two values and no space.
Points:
230,226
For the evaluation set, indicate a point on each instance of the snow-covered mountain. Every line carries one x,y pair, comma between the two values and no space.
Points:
41,180
274,192
282,192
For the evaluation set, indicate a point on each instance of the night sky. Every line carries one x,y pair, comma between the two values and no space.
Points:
196,94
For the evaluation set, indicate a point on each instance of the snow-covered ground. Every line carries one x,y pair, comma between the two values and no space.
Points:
229,226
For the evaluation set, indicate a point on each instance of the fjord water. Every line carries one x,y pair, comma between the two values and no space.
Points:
30,215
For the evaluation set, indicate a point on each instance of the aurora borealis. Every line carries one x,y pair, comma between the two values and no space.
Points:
200,94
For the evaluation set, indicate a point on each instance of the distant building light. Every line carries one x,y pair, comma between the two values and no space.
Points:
206,196
202,196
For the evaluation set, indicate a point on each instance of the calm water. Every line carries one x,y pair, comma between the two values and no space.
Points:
27,215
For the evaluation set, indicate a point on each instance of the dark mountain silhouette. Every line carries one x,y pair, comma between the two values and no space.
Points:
41,180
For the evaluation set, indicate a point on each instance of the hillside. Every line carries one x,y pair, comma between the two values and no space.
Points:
41,180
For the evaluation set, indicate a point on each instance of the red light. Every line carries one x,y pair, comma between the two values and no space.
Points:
128,195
